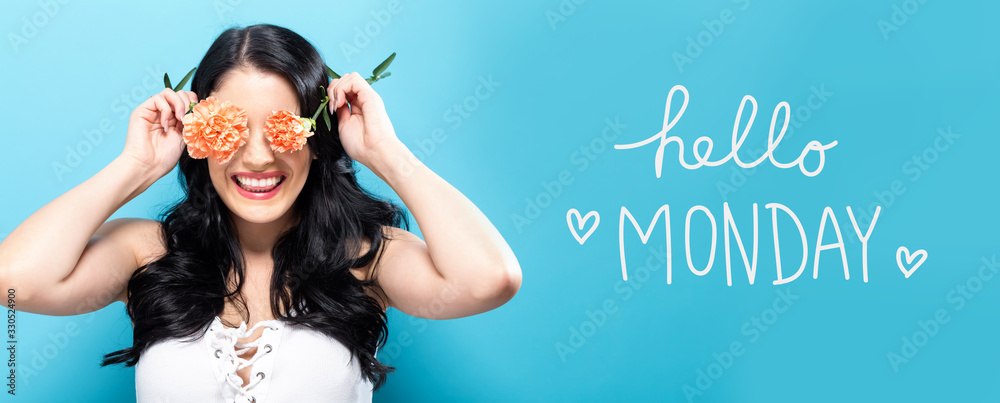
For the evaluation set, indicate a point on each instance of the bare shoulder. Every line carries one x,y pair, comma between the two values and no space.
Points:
143,237
396,237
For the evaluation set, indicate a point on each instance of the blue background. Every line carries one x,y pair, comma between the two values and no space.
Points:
562,69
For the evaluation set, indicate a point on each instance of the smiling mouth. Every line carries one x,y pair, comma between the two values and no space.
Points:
258,185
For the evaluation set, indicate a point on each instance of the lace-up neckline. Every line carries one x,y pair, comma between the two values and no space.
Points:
291,364
224,341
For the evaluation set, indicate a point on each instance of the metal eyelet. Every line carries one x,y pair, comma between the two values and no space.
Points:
261,375
268,348
217,352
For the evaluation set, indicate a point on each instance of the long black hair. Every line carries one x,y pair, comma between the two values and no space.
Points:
179,294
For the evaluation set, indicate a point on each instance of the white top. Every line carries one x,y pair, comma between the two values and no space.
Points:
292,364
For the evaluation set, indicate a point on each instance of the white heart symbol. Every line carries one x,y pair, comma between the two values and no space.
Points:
909,259
581,221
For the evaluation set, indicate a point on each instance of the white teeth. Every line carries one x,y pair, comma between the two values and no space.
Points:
246,182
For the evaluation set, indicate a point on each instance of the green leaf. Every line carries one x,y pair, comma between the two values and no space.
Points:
184,80
166,80
331,73
326,118
373,79
385,64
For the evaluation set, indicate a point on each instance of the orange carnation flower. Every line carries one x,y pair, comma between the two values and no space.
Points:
287,131
215,128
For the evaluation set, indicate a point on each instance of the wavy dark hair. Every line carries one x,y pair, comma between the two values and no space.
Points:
179,294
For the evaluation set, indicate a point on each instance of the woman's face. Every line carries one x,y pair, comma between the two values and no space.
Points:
259,185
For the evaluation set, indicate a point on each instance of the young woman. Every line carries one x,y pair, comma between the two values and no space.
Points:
269,281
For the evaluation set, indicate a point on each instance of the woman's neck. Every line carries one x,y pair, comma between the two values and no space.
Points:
258,239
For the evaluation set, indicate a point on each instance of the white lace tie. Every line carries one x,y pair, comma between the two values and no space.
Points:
227,348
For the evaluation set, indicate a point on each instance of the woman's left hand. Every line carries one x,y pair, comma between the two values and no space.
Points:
365,130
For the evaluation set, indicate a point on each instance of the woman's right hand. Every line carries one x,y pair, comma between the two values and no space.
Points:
154,137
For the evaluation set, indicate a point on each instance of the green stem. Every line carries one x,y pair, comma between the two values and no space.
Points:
321,106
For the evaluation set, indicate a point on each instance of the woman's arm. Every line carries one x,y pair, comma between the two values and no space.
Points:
64,259
463,266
